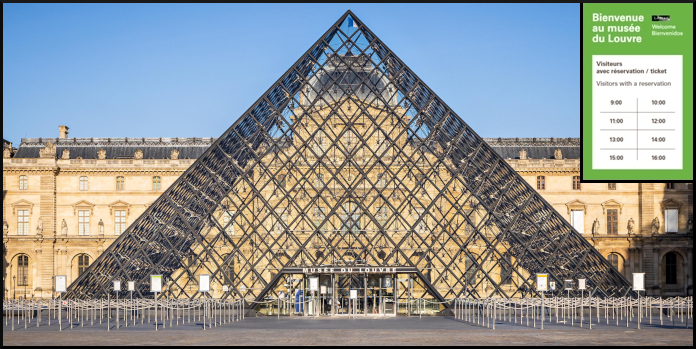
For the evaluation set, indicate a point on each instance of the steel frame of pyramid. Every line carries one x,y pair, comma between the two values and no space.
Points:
349,159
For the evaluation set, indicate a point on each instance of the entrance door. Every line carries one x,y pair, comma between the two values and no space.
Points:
344,284
404,292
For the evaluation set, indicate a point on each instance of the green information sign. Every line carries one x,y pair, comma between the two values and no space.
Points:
637,67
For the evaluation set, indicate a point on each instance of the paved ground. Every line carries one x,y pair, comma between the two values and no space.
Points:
343,331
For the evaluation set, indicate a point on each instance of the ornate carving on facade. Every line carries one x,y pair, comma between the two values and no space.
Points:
557,154
655,226
101,227
631,226
64,228
174,155
66,154
5,227
39,227
138,155
101,154
6,153
690,226
49,151
523,154
595,227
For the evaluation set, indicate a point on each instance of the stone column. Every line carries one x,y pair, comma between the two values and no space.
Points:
656,270
689,270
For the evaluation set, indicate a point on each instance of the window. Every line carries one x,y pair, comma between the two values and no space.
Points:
156,183
320,142
350,140
350,217
671,220
23,270
228,269
82,264
381,215
83,223
576,182
614,260
577,220
22,182
23,222
280,224
671,268
611,186
506,270
319,182
669,186
541,182
612,222
84,183
379,142
319,215
119,222
422,225
229,228
120,183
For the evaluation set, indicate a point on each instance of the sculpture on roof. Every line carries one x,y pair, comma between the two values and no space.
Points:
523,154
66,154
138,155
6,153
174,155
101,154
49,151
557,154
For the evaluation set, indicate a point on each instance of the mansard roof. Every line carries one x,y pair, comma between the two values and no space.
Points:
117,148
192,148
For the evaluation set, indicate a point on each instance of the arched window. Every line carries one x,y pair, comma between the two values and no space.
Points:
671,268
120,183
506,270
156,183
84,183
541,182
23,270
82,264
616,261
228,269
22,182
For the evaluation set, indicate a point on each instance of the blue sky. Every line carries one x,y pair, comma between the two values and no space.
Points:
189,70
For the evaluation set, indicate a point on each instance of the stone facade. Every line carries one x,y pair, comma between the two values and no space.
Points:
83,192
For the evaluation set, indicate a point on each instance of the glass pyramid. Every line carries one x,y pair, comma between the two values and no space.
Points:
350,160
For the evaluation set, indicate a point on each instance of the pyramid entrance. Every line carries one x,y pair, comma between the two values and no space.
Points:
350,161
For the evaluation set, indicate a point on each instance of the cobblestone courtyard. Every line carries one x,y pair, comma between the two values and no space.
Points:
343,331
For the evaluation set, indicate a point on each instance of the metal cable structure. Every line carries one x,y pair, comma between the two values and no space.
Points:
350,160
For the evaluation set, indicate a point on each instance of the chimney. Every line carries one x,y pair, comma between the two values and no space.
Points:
63,131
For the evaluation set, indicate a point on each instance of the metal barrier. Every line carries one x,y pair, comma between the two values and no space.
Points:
572,310
121,313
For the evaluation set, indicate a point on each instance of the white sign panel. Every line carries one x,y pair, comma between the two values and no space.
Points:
353,294
314,284
117,285
568,285
581,284
225,288
204,283
155,283
552,284
323,289
281,295
542,282
61,283
131,285
639,281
